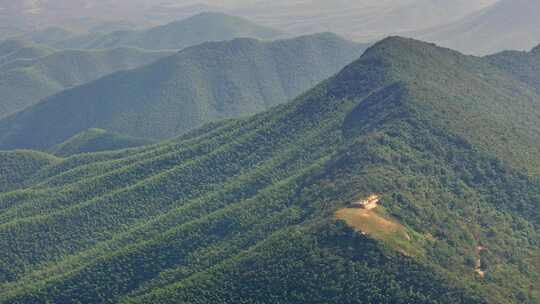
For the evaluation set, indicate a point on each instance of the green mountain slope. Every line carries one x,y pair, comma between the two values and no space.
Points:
200,84
96,140
176,35
25,82
523,65
243,211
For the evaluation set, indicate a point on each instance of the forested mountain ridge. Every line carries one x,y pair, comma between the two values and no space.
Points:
25,82
243,210
96,140
523,65
204,83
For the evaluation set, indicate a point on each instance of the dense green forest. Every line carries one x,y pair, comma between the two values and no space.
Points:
208,82
242,211
16,167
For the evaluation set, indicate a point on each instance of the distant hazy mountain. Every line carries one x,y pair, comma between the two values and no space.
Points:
26,82
200,84
15,49
80,28
366,20
506,25
51,35
30,15
176,35
257,210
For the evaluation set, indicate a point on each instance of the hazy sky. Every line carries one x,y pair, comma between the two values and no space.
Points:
357,19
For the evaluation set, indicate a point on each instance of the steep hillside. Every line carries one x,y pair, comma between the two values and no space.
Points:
176,35
506,25
25,82
96,140
525,66
200,84
244,211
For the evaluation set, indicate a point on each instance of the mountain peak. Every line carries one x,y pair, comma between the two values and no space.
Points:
211,14
207,16
393,40
220,19
394,59
536,49
400,46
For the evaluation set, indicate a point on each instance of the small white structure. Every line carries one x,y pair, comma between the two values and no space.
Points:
369,203
478,267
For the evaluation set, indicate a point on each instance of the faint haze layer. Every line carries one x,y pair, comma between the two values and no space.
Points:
362,20
471,26
508,24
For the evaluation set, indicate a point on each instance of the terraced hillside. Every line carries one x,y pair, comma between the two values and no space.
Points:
204,83
243,211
